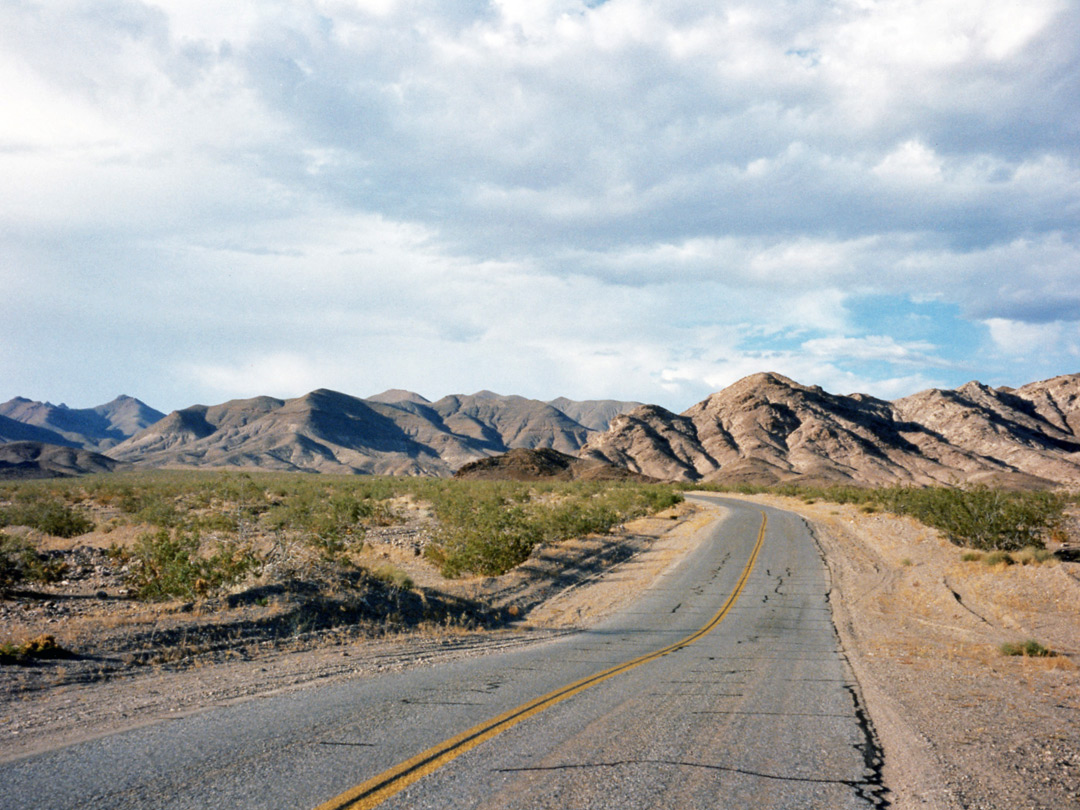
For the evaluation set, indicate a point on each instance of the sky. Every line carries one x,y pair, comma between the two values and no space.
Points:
202,201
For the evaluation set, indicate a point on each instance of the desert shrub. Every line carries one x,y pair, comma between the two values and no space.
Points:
488,536
166,564
971,556
981,518
1029,649
151,507
489,527
325,518
999,558
393,576
573,518
47,514
978,517
43,646
317,511
1032,555
19,563
218,522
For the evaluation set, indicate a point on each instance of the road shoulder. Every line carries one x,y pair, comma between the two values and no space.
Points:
962,725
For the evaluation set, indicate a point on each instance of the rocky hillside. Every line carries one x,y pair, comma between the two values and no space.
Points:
767,429
393,433
90,428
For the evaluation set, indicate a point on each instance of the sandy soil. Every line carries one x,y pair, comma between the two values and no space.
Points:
962,725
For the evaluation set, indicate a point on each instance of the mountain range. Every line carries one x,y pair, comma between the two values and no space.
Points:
765,428
393,433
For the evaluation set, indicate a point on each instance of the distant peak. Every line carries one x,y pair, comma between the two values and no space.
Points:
324,393
768,377
395,395
485,394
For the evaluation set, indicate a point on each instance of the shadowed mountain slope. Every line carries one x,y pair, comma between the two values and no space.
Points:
323,431
12,430
595,414
765,428
92,428
499,423
38,460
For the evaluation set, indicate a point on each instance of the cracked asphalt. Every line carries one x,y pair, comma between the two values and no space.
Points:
762,712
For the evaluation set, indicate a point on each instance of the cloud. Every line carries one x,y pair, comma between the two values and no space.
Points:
879,348
626,198
1020,339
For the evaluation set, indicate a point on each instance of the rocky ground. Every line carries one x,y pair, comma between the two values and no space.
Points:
962,725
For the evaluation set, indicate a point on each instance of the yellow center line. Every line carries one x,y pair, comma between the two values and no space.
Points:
380,788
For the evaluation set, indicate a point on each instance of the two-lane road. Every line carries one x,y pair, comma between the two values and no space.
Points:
722,686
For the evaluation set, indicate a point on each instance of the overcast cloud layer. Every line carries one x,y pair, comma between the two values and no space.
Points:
627,199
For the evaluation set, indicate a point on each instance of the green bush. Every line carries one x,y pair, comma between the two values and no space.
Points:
19,562
484,527
489,527
166,564
488,537
393,576
978,517
43,646
47,514
1032,555
1029,649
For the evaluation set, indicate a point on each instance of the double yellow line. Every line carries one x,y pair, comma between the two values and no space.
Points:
380,788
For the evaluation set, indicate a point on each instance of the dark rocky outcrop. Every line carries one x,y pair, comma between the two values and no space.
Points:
524,464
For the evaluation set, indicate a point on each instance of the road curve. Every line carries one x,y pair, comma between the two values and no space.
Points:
758,711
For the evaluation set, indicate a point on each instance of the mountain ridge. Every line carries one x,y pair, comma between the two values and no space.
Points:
397,432
765,428
98,428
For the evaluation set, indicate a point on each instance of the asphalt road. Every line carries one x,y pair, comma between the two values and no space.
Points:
759,712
